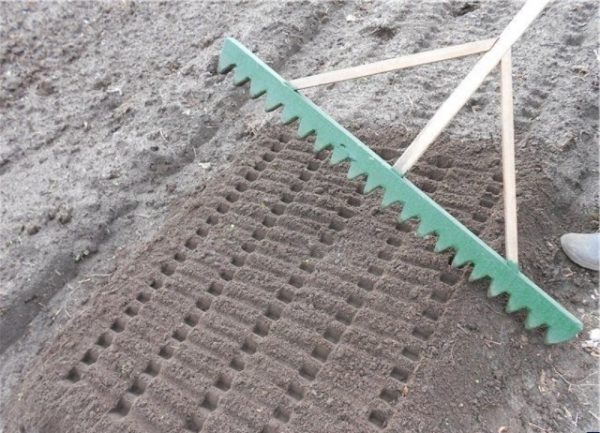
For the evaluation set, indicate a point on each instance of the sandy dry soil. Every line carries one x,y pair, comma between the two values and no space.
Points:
117,140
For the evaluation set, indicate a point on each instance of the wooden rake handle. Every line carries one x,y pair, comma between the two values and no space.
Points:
469,84
394,64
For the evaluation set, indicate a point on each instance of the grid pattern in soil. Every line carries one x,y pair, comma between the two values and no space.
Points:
291,302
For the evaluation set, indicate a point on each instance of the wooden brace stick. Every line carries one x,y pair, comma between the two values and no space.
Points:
403,62
469,85
508,160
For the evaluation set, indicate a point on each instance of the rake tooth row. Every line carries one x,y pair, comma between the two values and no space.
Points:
505,276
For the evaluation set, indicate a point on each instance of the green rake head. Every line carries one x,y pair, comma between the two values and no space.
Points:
505,276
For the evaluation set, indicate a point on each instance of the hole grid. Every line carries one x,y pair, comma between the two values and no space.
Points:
332,335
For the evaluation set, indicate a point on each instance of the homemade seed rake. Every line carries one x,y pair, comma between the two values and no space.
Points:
504,274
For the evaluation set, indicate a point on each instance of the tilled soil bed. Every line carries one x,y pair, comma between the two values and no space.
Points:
280,298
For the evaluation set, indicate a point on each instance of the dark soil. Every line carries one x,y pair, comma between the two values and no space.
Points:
280,298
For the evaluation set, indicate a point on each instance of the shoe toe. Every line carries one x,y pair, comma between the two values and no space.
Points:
582,248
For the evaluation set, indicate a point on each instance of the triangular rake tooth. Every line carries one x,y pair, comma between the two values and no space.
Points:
239,76
534,319
443,242
355,170
372,183
390,197
496,288
460,258
225,63
271,102
425,227
479,271
338,155
225,66
409,211
288,115
321,143
566,331
257,88
516,302
305,128
226,60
